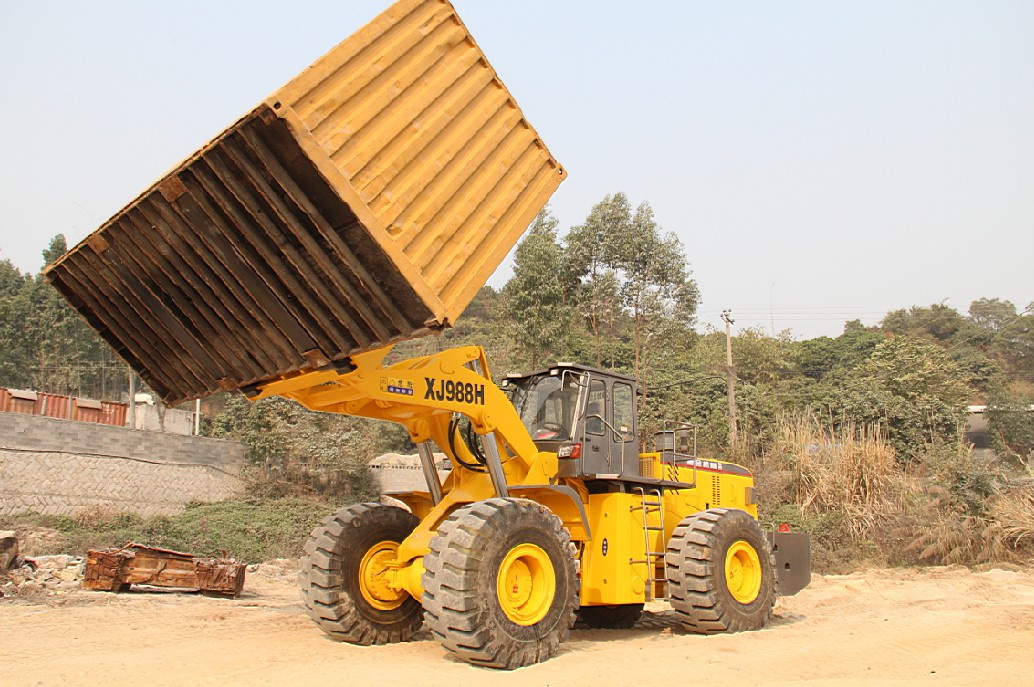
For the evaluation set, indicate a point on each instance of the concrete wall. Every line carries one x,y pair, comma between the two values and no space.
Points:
396,473
60,467
176,421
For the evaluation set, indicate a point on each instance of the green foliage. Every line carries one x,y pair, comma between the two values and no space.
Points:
960,481
255,425
616,291
937,323
47,345
757,414
991,314
535,298
14,363
590,252
631,282
1010,417
976,512
656,289
1012,344
913,389
250,531
294,451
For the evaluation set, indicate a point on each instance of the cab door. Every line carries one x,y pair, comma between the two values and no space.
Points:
597,444
625,415
609,428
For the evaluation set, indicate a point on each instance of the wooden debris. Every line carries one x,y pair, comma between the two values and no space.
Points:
117,569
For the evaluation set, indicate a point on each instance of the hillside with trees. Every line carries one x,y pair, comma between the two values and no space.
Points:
858,438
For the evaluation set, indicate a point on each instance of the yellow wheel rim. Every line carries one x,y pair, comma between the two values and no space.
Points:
373,577
743,572
526,584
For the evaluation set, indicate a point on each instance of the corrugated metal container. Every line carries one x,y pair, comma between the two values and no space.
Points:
63,407
364,202
18,401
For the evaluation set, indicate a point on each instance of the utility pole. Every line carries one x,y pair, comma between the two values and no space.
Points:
131,420
730,377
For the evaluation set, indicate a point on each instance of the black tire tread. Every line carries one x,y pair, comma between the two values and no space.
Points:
694,562
322,580
458,608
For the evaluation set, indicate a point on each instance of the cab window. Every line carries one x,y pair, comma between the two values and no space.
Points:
596,407
623,410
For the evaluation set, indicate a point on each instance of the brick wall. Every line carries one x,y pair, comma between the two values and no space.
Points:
60,467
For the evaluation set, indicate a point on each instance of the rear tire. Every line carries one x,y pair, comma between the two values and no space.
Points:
341,576
501,583
621,617
721,572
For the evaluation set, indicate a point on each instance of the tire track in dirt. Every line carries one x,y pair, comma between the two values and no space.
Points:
907,627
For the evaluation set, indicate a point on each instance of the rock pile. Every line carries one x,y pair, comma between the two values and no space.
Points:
41,576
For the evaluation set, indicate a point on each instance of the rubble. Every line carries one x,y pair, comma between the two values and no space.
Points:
8,549
42,576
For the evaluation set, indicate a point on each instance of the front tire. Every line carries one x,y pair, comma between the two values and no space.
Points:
342,576
721,572
501,583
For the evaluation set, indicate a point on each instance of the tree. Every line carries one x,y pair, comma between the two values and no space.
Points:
14,310
65,353
914,389
939,323
46,344
540,318
486,322
660,296
1013,343
296,450
57,247
991,314
589,264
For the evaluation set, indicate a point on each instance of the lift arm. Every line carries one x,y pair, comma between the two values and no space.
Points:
422,394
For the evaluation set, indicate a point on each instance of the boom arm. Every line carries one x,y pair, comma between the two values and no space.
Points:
422,394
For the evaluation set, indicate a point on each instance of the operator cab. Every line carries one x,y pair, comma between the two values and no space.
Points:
585,415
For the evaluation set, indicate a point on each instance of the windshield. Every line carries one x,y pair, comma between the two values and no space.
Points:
547,405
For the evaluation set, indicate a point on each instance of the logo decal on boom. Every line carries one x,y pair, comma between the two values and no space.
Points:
395,385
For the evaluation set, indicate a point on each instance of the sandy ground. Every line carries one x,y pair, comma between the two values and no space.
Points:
942,626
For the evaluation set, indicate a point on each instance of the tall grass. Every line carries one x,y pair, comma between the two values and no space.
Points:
948,506
1013,511
848,472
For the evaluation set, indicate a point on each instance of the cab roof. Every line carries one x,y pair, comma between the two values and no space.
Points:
559,367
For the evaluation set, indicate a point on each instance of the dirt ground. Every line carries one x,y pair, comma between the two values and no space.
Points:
944,626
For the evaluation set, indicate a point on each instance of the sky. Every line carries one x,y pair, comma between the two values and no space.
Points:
820,161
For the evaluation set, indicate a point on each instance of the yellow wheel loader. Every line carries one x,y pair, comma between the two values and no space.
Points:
365,203
549,513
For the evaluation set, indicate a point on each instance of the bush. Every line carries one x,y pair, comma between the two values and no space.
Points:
848,472
1011,424
294,452
975,513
